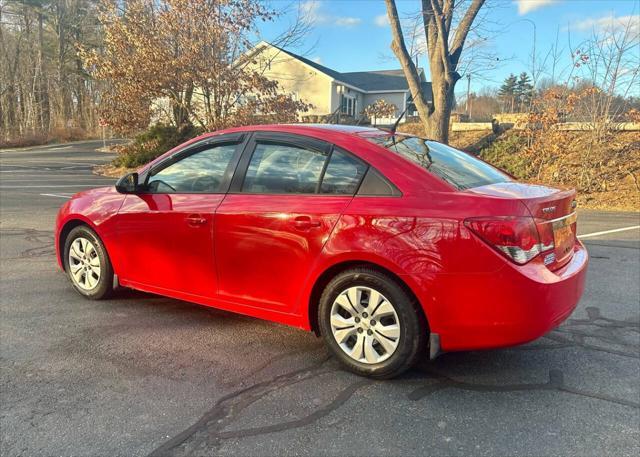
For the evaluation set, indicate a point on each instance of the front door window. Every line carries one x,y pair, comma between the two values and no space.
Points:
196,173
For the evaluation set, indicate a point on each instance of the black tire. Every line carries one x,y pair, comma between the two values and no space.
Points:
413,326
104,286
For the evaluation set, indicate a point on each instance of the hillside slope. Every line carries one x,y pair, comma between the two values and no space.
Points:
605,173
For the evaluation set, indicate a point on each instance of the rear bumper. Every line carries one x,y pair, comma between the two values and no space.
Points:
512,306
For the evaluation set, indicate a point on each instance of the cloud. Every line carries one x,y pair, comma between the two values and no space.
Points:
608,23
381,20
526,6
312,12
347,21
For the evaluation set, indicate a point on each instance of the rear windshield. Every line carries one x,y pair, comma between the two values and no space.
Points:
461,170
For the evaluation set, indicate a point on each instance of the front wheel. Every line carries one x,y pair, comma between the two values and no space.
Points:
371,324
87,263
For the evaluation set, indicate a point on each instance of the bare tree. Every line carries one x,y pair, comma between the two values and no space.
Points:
445,38
44,92
608,68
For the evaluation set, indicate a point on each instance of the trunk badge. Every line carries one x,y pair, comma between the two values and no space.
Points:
549,209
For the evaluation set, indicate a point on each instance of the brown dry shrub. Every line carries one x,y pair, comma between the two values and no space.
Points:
56,135
605,173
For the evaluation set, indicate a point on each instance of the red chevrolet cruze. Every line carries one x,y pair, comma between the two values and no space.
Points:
388,245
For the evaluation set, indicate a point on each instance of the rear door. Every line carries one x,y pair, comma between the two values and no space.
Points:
285,200
166,231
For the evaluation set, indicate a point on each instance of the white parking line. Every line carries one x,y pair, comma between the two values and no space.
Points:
57,195
46,186
605,232
60,148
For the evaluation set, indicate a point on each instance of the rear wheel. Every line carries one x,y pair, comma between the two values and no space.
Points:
87,263
371,324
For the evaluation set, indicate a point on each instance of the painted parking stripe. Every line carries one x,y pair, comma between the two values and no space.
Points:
6,180
605,232
46,187
56,195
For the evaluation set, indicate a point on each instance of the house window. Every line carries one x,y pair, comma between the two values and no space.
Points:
348,105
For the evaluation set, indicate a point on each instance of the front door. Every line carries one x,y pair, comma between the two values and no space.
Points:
278,215
166,232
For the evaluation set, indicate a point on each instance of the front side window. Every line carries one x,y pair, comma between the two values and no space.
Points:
343,174
283,169
461,170
200,172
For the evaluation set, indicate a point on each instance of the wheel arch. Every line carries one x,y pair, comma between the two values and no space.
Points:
335,269
66,228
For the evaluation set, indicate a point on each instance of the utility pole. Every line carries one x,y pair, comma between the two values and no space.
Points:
534,70
468,107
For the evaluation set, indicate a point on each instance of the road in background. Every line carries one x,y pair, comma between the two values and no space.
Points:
143,374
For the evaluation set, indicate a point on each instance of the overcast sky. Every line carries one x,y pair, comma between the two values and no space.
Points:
354,35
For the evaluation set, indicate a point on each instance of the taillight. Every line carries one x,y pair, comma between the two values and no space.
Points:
519,239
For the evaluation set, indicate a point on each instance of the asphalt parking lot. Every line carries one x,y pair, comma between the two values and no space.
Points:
145,375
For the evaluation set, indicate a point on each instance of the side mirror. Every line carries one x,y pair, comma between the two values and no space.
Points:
128,184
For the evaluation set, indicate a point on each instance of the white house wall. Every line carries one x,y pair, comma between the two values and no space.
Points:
295,77
394,98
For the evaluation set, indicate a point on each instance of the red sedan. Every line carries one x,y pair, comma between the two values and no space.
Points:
387,245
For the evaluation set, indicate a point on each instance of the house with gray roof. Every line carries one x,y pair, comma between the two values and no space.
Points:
331,92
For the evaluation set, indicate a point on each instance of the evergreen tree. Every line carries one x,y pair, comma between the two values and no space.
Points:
523,91
507,92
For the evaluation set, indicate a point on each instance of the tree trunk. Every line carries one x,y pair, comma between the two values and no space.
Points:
63,91
411,72
182,106
437,123
42,94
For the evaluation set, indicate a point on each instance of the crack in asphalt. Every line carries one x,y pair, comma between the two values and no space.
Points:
337,402
42,237
555,383
209,430
599,328
607,330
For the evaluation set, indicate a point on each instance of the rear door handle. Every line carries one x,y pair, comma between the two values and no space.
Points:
305,223
196,220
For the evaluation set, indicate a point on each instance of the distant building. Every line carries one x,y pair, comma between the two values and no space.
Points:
330,91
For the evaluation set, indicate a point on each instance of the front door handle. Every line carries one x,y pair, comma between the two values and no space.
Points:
305,223
196,220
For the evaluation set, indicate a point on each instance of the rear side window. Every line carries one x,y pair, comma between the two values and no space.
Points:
283,169
461,170
343,174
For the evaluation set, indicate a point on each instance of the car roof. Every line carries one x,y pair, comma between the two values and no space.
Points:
301,128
